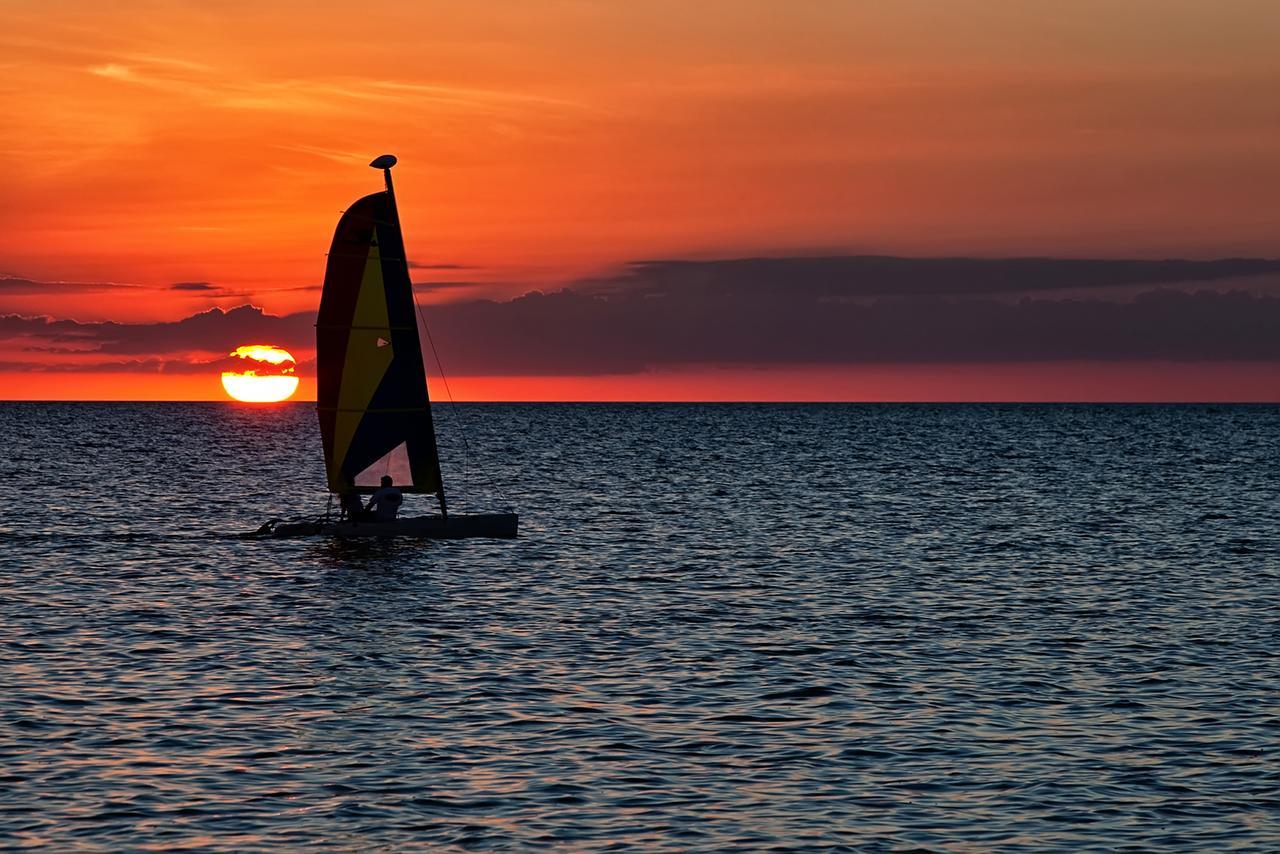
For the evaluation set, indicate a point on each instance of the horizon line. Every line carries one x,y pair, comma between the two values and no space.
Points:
878,402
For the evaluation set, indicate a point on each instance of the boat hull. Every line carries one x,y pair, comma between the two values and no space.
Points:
501,526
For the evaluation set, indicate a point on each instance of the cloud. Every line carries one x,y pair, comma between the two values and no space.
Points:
782,312
461,95
16,285
193,286
436,286
212,331
837,310
170,61
844,277
115,71
570,332
344,157
142,366
204,83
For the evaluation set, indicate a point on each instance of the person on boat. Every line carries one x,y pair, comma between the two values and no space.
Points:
385,503
353,507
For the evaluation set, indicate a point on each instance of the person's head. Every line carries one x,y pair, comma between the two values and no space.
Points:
386,480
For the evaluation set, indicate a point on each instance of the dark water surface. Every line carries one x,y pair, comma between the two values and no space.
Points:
872,627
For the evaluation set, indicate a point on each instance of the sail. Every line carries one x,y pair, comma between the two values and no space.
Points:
375,416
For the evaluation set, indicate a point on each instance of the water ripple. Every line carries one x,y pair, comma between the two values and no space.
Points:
723,627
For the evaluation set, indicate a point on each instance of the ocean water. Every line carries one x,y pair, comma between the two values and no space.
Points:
723,627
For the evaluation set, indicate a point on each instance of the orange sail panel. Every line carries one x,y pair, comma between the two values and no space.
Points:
375,415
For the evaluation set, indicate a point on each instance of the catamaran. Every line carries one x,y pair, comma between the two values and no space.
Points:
375,412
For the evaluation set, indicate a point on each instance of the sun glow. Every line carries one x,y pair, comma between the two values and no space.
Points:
269,381
264,353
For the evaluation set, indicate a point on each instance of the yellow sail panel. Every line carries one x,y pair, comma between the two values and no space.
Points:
369,353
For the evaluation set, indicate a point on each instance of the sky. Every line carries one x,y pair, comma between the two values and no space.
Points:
655,200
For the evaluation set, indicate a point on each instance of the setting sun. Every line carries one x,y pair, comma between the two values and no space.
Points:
268,380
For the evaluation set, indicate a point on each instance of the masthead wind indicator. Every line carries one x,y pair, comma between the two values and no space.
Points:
385,162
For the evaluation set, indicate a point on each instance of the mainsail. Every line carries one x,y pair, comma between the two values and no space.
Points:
375,416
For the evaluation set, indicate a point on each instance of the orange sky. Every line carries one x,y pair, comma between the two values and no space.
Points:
150,143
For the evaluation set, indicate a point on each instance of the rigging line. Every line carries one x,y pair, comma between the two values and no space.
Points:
453,406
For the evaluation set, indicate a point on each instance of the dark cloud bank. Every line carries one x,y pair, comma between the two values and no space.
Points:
214,330
791,311
884,275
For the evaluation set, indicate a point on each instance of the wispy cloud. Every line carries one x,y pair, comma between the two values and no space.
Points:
417,265
446,286
64,48
344,157
17,285
115,71
170,61
461,95
318,95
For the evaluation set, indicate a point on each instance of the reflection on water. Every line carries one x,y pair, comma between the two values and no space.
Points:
751,626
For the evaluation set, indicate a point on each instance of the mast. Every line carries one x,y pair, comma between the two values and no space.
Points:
385,162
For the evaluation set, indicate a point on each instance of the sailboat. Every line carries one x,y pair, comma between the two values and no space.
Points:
372,400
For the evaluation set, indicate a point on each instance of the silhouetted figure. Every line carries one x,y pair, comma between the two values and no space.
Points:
353,508
385,503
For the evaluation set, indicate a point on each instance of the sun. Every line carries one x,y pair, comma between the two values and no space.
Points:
267,375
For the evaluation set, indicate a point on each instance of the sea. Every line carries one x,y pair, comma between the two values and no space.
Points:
722,628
